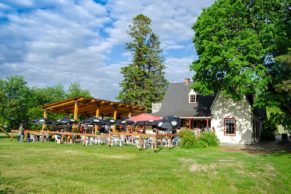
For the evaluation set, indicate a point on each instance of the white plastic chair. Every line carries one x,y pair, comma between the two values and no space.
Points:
92,140
58,139
99,140
87,141
175,141
122,140
137,143
115,141
164,142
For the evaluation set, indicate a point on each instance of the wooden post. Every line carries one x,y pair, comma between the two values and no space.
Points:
156,140
85,139
207,123
45,117
114,117
98,111
109,139
129,114
76,109
42,135
169,142
140,141
97,115
11,136
190,123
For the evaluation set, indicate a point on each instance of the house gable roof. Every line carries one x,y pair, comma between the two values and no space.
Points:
176,102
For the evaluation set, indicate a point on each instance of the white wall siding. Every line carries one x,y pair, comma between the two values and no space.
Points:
240,110
156,107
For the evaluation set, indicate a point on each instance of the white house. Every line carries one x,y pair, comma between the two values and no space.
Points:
234,122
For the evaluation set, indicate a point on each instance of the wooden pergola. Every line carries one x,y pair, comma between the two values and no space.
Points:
92,107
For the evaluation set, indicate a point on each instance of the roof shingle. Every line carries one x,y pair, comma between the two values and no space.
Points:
176,102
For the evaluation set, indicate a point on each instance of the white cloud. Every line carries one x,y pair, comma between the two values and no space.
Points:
177,69
54,41
3,6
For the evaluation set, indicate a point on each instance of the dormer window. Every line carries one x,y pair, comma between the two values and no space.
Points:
192,96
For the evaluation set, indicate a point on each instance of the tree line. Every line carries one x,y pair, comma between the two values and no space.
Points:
20,103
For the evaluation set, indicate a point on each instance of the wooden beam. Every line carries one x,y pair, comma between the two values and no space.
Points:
129,114
114,117
44,125
98,112
97,115
61,105
89,105
59,102
44,116
76,110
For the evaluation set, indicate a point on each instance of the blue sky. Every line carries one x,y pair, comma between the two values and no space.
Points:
63,41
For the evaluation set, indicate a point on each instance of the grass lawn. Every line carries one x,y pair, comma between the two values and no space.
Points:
52,168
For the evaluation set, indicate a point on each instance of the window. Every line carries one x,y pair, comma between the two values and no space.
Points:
192,98
229,126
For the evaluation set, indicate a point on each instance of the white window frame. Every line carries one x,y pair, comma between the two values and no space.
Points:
192,93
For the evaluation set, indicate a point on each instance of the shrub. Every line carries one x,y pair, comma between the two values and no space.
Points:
188,139
201,144
208,139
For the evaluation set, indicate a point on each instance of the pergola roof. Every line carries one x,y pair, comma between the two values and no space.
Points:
89,106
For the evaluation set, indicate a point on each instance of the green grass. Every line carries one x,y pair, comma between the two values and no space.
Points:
52,168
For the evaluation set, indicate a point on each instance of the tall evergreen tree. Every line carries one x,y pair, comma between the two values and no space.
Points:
144,79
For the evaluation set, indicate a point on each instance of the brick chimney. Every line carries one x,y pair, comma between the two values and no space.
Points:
187,81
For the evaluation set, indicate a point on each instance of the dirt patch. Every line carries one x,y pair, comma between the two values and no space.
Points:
232,149
71,153
256,152
194,167
219,164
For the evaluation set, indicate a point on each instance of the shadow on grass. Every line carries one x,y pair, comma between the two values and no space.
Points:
7,184
271,147
158,150
264,152
6,137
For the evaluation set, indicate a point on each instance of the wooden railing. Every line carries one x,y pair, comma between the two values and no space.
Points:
109,135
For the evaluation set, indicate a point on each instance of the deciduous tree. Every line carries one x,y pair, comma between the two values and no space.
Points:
243,48
75,90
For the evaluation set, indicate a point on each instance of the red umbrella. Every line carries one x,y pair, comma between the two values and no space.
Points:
144,117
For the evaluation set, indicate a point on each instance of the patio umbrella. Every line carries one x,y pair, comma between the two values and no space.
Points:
65,121
151,123
164,125
109,122
127,122
41,121
92,121
144,117
175,121
140,123
169,123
